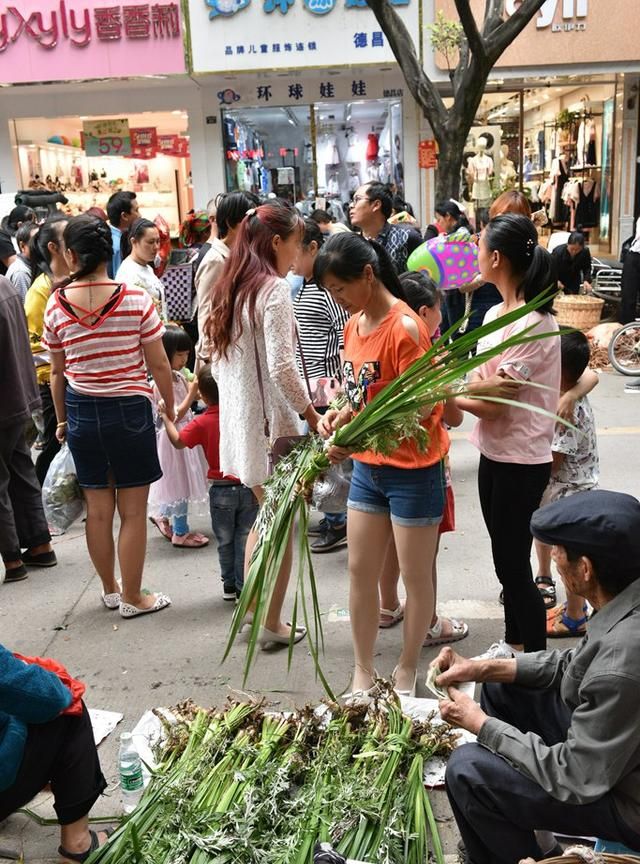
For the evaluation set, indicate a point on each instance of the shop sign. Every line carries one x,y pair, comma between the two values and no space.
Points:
297,88
563,33
60,40
109,137
277,34
427,154
144,142
173,145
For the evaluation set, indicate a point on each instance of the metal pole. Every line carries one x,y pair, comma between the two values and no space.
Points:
521,139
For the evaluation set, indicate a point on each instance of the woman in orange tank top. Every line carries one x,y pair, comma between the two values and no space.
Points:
399,495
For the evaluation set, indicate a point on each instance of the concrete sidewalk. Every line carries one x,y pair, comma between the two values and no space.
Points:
130,666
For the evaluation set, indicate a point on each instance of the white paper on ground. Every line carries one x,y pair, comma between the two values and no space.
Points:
147,733
422,709
103,723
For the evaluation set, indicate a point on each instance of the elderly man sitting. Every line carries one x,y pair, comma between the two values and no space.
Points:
558,731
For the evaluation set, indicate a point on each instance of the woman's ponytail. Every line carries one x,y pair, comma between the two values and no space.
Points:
90,239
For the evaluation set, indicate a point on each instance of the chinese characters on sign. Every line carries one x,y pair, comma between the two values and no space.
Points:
144,142
427,154
272,48
49,28
363,40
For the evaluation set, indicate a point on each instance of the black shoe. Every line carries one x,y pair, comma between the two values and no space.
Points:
331,539
16,574
43,559
319,529
501,598
229,594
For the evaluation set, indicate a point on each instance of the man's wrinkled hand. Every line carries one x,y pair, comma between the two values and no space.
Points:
461,711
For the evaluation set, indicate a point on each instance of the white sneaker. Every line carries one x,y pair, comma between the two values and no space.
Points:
498,651
632,386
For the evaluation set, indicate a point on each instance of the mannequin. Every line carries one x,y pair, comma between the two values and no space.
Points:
508,173
480,174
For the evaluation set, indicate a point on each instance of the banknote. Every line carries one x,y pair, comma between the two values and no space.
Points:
430,683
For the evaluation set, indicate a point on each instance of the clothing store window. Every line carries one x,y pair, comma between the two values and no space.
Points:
358,142
269,150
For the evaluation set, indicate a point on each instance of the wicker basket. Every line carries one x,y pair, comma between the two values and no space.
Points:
600,857
578,310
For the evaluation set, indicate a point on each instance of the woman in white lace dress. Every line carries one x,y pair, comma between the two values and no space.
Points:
251,314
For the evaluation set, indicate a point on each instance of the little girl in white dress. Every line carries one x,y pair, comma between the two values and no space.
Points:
184,472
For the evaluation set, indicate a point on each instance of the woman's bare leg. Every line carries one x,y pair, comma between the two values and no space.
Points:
101,506
416,547
132,544
368,539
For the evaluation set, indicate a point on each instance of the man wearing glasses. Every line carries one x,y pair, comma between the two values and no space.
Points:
370,209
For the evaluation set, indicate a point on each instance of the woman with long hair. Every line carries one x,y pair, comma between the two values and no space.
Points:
514,443
103,336
251,329
397,497
48,265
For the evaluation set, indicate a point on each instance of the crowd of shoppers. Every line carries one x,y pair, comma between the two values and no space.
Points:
289,312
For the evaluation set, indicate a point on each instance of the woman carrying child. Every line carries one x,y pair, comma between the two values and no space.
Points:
184,472
400,496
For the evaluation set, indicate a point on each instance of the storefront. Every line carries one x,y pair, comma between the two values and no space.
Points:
88,158
560,118
290,122
89,138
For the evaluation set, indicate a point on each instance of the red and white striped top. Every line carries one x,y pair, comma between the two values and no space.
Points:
105,358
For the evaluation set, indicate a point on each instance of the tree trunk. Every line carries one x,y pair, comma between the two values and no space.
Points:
448,179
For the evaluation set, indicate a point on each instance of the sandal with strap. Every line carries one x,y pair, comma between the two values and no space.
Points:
563,626
163,526
84,856
547,587
457,631
192,540
391,617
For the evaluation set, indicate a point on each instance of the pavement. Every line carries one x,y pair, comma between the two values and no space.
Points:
130,666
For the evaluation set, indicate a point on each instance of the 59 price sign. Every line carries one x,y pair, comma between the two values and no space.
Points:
110,137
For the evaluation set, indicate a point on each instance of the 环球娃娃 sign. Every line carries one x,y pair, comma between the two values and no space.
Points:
64,40
283,34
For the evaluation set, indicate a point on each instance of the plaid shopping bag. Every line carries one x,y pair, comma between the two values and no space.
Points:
179,290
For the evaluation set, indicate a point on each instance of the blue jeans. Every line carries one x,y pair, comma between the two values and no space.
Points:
177,516
233,511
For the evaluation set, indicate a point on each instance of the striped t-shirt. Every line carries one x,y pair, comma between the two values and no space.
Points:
104,358
320,326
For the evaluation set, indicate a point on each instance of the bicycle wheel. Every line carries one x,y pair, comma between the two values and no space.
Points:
624,349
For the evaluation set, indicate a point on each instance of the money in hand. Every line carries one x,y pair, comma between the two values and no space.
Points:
430,683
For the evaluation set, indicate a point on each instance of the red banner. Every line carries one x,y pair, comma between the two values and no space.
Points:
427,154
173,145
144,142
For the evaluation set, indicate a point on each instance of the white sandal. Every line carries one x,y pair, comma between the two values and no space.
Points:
129,611
434,635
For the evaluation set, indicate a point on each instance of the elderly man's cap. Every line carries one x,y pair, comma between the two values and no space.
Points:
604,524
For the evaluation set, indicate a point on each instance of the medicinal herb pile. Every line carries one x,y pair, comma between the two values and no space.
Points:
241,786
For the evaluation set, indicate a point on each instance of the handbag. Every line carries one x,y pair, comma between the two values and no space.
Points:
284,444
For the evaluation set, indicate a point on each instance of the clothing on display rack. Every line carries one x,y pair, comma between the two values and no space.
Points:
558,212
587,213
372,147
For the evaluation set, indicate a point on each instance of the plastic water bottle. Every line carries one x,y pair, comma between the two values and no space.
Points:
130,767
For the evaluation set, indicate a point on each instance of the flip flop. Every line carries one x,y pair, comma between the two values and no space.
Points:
84,856
192,540
434,635
395,616
162,525
129,611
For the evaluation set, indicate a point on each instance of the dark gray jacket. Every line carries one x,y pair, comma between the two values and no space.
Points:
599,682
19,395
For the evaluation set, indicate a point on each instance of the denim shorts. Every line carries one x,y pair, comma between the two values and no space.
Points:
413,497
112,440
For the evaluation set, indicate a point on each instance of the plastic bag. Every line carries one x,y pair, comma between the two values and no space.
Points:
331,490
61,492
